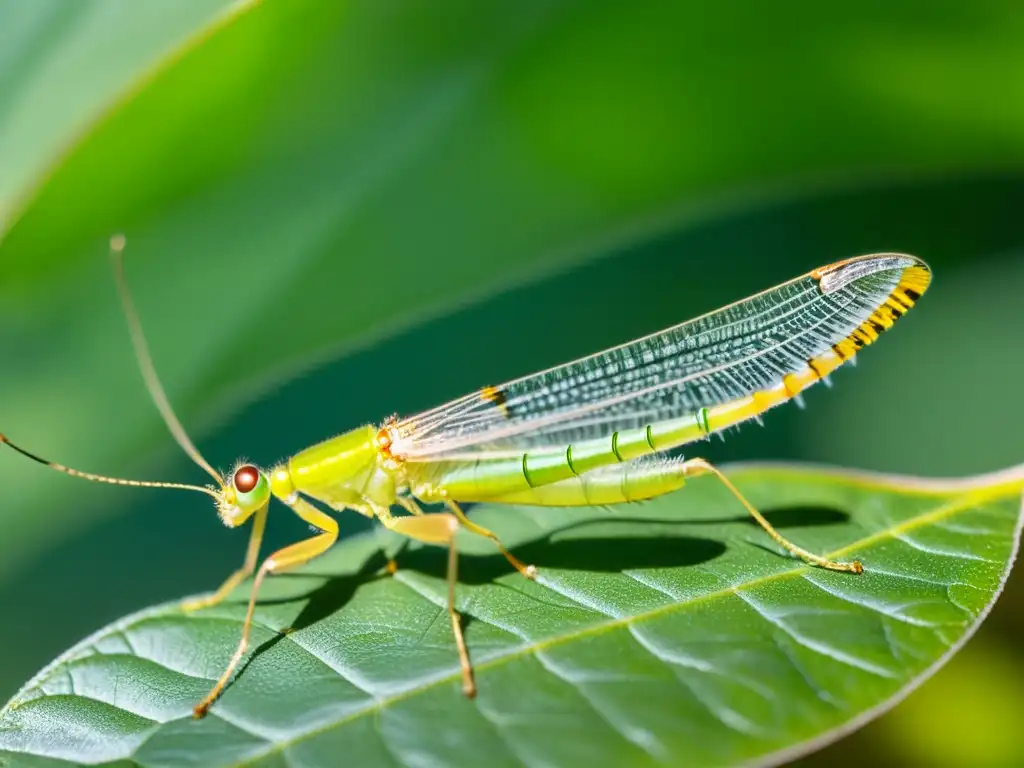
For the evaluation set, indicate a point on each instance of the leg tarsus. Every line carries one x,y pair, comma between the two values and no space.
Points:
696,467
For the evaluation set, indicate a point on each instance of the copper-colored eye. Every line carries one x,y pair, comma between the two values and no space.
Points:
246,478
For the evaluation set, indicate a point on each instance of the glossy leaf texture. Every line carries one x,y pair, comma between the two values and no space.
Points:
666,633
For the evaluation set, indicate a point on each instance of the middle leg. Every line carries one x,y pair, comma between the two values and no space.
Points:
529,571
439,528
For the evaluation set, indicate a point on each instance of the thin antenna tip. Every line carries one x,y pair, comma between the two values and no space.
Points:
117,243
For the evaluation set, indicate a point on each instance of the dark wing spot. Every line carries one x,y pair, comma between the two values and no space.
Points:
496,396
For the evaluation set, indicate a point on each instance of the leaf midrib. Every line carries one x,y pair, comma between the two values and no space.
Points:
954,506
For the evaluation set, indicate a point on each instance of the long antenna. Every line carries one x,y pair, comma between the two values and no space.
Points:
104,478
156,390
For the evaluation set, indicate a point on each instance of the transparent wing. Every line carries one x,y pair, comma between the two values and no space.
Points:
722,356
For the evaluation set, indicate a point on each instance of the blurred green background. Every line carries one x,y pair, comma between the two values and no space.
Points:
340,210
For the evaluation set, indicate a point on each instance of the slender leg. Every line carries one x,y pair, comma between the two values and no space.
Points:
439,528
529,571
259,523
696,467
290,556
409,505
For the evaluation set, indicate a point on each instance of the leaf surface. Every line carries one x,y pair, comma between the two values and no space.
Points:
665,633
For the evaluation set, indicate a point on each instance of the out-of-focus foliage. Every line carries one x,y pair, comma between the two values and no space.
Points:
64,65
663,634
310,179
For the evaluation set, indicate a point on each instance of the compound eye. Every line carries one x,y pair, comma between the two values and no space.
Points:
246,478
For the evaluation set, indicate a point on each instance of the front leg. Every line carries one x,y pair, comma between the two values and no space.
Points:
288,557
259,524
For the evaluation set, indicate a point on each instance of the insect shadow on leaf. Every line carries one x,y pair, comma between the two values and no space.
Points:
661,545
568,547
321,602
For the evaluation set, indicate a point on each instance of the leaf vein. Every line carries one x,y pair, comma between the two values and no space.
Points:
552,668
886,610
817,646
941,512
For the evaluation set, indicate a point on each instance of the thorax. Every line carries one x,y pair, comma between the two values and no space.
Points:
345,470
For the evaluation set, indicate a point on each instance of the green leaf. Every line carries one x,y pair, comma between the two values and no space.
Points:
667,633
62,65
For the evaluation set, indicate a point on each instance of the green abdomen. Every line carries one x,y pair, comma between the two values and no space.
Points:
485,479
